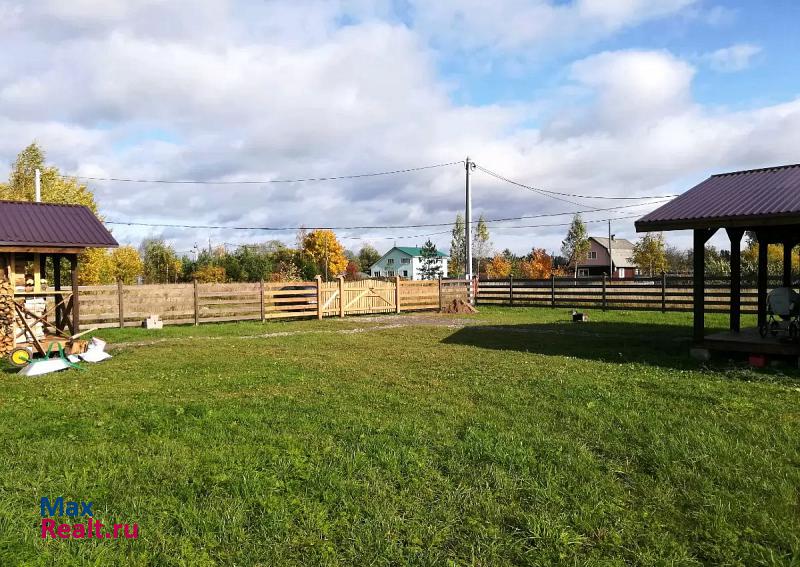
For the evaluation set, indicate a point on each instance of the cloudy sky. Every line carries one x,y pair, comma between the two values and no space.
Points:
589,97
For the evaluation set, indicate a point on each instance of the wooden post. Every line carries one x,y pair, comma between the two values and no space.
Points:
120,304
196,303
341,296
261,296
735,236
663,292
787,263
397,293
57,286
763,246
440,292
552,290
605,304
76,304
319,297
37,272
511,290
699,284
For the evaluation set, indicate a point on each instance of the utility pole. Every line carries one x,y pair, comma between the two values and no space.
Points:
468,221
610,257
38,184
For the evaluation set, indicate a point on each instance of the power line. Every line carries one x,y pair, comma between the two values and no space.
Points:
266,181
552,193
366,227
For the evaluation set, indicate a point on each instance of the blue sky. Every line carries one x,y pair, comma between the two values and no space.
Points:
595,97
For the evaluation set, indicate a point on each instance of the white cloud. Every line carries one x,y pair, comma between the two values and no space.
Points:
734,58
283,90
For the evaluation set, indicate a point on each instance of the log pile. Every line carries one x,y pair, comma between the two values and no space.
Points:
6,317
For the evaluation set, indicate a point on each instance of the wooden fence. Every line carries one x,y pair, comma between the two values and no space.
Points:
664,293
128,306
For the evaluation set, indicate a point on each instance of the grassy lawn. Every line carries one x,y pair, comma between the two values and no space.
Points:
507,438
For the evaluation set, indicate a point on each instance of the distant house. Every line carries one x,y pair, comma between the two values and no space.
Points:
406,262
596,262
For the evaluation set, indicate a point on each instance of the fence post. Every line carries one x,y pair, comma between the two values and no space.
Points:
663,292
552,290
341,296
196,304
261,298
397,293
605,303
474,286
511,290
319,297
440,292
121,307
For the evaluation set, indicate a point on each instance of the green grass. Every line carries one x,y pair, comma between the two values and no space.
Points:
517,439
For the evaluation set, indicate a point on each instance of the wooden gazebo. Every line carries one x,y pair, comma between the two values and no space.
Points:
765,202
34,311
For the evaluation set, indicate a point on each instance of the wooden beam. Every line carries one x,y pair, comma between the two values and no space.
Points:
735,236
41,250
701,236
37,272
76,303
57,287
762,280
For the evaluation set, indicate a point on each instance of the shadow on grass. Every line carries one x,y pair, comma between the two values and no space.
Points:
647,343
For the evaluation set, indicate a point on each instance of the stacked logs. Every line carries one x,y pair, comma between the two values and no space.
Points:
7,317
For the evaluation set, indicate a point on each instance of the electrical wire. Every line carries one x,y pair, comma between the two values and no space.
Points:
266,181
553,193
366,227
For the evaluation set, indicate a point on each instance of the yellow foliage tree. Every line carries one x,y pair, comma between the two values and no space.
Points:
326,252
498,267
96,267
538,266
210,274
126,264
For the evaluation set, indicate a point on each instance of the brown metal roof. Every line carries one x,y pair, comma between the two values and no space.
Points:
748,199
52,225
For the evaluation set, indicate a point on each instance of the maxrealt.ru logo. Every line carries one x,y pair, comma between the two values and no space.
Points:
91,529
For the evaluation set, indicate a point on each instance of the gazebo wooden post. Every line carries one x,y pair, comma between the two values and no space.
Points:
787,263
701,236
76,311
57,287
735,236
763,244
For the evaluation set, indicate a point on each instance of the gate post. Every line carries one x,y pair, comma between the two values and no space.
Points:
552,290
397,293
341,296
319,297
196,304
261,294
440,292
663,292
120,304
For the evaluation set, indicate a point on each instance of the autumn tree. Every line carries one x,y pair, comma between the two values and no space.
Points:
498,267
481,244
126,264
326,252
458,250
431,261
576,245
367,256
351,271
210,274
95,267
161,264
649,254
537,266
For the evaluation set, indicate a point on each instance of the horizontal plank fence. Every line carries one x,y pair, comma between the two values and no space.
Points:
664,293
128,306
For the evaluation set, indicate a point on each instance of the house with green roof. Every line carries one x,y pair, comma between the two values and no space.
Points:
406,262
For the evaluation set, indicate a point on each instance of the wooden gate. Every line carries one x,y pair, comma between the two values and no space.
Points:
344,298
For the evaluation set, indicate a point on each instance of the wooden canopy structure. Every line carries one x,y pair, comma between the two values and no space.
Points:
34,239
765,202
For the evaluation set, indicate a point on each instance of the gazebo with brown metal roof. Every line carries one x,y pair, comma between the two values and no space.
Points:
30,233
765,202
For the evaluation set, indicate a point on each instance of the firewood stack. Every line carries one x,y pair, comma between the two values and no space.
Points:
6,317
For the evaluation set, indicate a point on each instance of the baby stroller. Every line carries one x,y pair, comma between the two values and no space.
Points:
783,304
